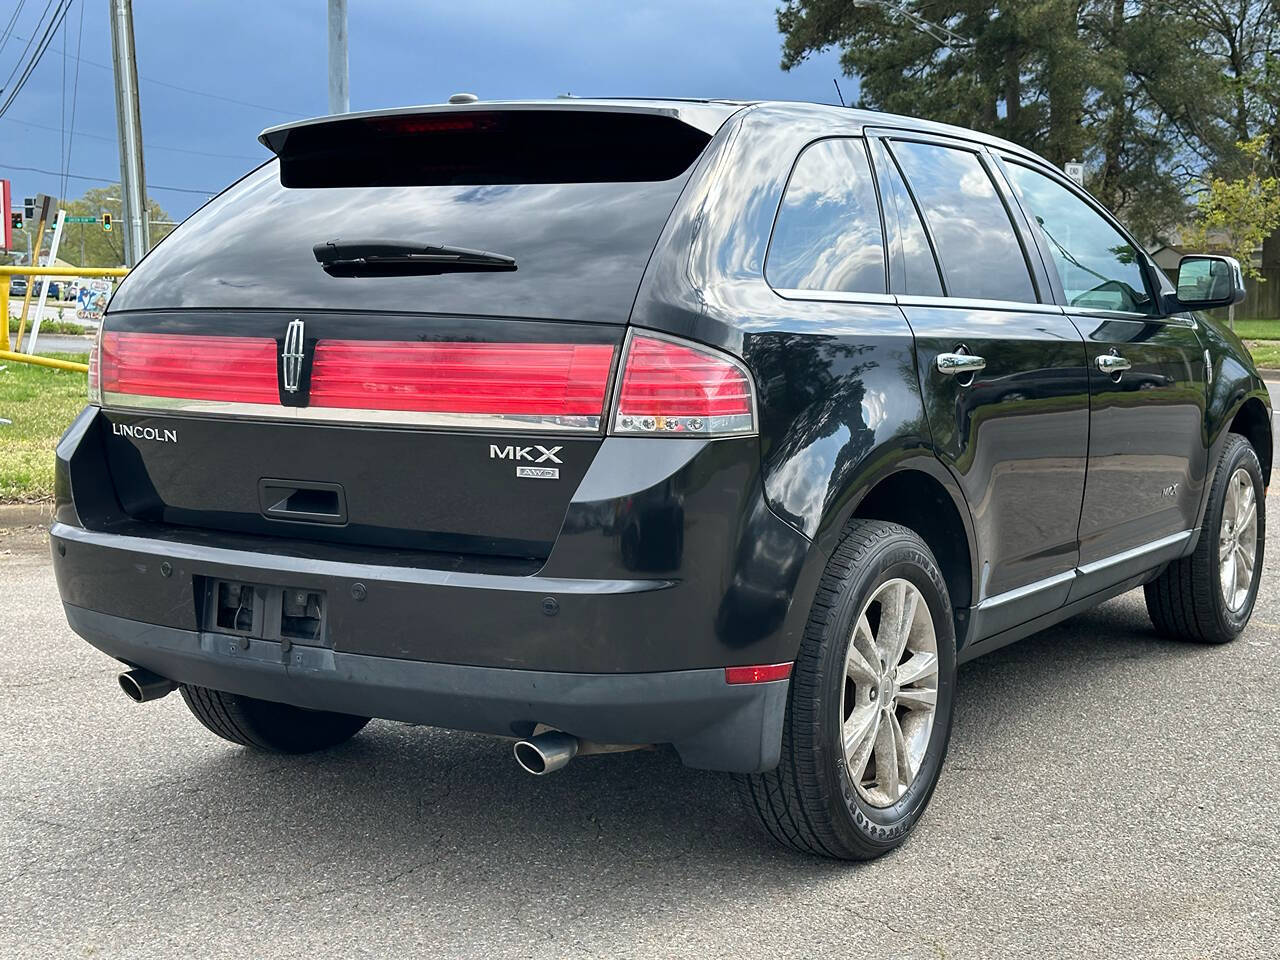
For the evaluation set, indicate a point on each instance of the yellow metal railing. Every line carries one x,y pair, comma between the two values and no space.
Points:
5,273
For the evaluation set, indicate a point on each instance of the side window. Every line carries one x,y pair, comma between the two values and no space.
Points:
828,236
980,253
1098,267
914,270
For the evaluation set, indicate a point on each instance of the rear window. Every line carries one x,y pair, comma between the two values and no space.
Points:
578,203
485,147
828,236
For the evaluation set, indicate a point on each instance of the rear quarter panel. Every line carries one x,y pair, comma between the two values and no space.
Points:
838,397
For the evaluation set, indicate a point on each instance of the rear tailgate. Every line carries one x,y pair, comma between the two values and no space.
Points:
470,446
250,387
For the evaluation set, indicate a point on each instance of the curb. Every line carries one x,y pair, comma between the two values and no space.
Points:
26,514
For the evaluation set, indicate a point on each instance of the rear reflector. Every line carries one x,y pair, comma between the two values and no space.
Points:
540,381
224,369
670,387
759,674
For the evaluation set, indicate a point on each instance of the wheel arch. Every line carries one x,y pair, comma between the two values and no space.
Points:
1253,422
920,494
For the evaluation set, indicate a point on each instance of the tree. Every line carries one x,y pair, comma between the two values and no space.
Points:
1127,86
87,244
1236,215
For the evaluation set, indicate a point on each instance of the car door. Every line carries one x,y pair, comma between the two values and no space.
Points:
1002,371
1147,450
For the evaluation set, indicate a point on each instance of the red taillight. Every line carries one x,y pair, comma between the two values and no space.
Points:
669,387
543,380
757,674
231,369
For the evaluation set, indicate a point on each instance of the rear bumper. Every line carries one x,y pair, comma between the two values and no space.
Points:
669,567
712,724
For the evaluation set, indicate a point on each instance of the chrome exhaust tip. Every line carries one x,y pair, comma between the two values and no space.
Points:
141,685
546,753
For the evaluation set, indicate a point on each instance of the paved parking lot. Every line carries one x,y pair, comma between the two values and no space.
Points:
1108,794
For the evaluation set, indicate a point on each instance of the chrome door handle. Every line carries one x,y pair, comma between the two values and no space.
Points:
958,364
1111,363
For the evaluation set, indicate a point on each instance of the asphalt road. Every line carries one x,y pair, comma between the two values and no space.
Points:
1108,794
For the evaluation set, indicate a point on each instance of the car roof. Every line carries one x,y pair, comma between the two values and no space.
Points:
706,114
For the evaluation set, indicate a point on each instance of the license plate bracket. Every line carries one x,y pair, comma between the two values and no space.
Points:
266,612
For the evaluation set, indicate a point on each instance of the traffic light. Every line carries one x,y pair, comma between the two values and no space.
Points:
29,204
15,219
106,222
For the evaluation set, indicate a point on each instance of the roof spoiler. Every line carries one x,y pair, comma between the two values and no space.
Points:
558,141
703,115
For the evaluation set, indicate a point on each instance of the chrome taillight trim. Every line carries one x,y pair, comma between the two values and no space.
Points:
494,422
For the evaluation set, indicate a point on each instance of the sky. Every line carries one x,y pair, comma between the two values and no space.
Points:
257,64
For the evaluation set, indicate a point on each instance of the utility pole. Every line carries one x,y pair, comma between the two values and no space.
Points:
339,97
133,186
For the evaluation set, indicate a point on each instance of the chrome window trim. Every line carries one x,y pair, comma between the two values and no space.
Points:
346,416
835,296
973,303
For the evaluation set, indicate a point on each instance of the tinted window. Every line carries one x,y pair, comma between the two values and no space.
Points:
1098,267
980,253
828,233
914,270
581,248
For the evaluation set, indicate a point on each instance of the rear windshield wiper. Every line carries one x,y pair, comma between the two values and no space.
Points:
397,258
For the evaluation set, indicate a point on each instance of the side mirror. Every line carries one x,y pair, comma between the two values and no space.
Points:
1206,282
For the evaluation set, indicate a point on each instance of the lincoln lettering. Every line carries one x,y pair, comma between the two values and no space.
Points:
135,432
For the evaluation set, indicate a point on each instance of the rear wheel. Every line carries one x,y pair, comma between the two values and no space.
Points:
869,710
1208,597
264,725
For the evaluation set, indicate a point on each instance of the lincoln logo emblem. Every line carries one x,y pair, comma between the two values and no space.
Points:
292,356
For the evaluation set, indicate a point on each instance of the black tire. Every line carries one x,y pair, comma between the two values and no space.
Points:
1186,601
264,725
809,802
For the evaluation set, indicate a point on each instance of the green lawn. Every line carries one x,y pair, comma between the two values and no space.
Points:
41,402
1258,329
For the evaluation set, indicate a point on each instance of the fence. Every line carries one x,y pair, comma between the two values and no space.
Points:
7,272
1262,302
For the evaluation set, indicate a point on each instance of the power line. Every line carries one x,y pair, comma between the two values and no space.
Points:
149,146
8,27
78,176
45,40
75,90
193,92
22,55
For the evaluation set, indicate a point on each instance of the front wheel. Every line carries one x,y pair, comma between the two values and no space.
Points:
1208,597
869,710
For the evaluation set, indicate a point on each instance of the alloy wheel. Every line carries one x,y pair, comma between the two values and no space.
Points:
1238,540
890,692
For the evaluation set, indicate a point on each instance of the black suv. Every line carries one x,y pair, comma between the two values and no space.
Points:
596,424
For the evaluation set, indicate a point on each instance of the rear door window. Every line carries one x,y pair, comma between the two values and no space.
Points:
828,234
914,270
1098,267
977,245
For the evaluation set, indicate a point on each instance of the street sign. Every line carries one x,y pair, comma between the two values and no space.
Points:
81,220
1074,171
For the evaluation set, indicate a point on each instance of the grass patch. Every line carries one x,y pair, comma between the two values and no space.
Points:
1258,329
1266,353
63,326
41,402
